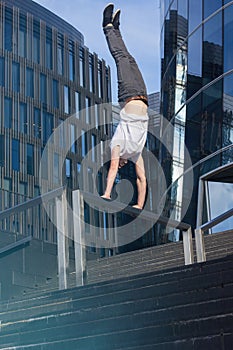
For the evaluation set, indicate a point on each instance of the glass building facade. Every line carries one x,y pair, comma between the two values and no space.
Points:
196,92
46,75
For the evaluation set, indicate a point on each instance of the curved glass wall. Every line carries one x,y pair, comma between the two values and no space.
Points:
196,87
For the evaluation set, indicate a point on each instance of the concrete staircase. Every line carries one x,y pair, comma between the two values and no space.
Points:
155,258
175,309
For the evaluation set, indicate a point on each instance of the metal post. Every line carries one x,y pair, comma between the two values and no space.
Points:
200,200
188,247
200,245
79,244
62,234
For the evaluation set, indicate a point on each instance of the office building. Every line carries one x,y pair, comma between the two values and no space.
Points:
196,90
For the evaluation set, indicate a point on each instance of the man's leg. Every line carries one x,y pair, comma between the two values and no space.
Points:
115,158
141,183
130,80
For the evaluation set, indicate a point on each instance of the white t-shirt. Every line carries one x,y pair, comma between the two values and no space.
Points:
130,135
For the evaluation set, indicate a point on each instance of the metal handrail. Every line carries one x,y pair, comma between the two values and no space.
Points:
199,237
79,198
31,203
16,244
217,220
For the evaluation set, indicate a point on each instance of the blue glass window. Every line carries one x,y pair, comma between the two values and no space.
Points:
2,71
93,147
100,77
81,67
91,72
90,179
96,115
183,8
48,125
212,49
22,36
29,82
37,123
88,110
8,29
108,85
43,88
36,42
56,168
68,167
72,138
15,76
2,150
30,159
84,143
71,61
211,6
23,117
66,99
87,217
7,112
55,94
228,38
49,49
77,103
15,154
195,14
60,54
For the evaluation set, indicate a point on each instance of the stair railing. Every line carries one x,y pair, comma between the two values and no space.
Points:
199,233
79,198
62,256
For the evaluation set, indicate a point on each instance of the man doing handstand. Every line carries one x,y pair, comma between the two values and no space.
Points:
130,136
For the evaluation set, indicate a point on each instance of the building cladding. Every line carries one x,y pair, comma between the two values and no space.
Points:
46,75
196,91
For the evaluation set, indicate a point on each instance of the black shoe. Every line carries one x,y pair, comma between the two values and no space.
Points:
116,19
107,14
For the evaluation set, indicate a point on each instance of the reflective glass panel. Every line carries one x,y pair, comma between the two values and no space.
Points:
66,99
71,61
227,132
211,6
30,159
60,54
81,67
88,110
36,42
2,150
29,82
195,14
55,94
15,76
228,38
7,112
91,73
56,168
48,125
15,154
43,88
195,53
49,50
2,71
37,123
212,49
8,29
23,36
23,118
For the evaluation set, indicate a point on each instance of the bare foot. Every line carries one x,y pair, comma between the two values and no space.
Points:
137,207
